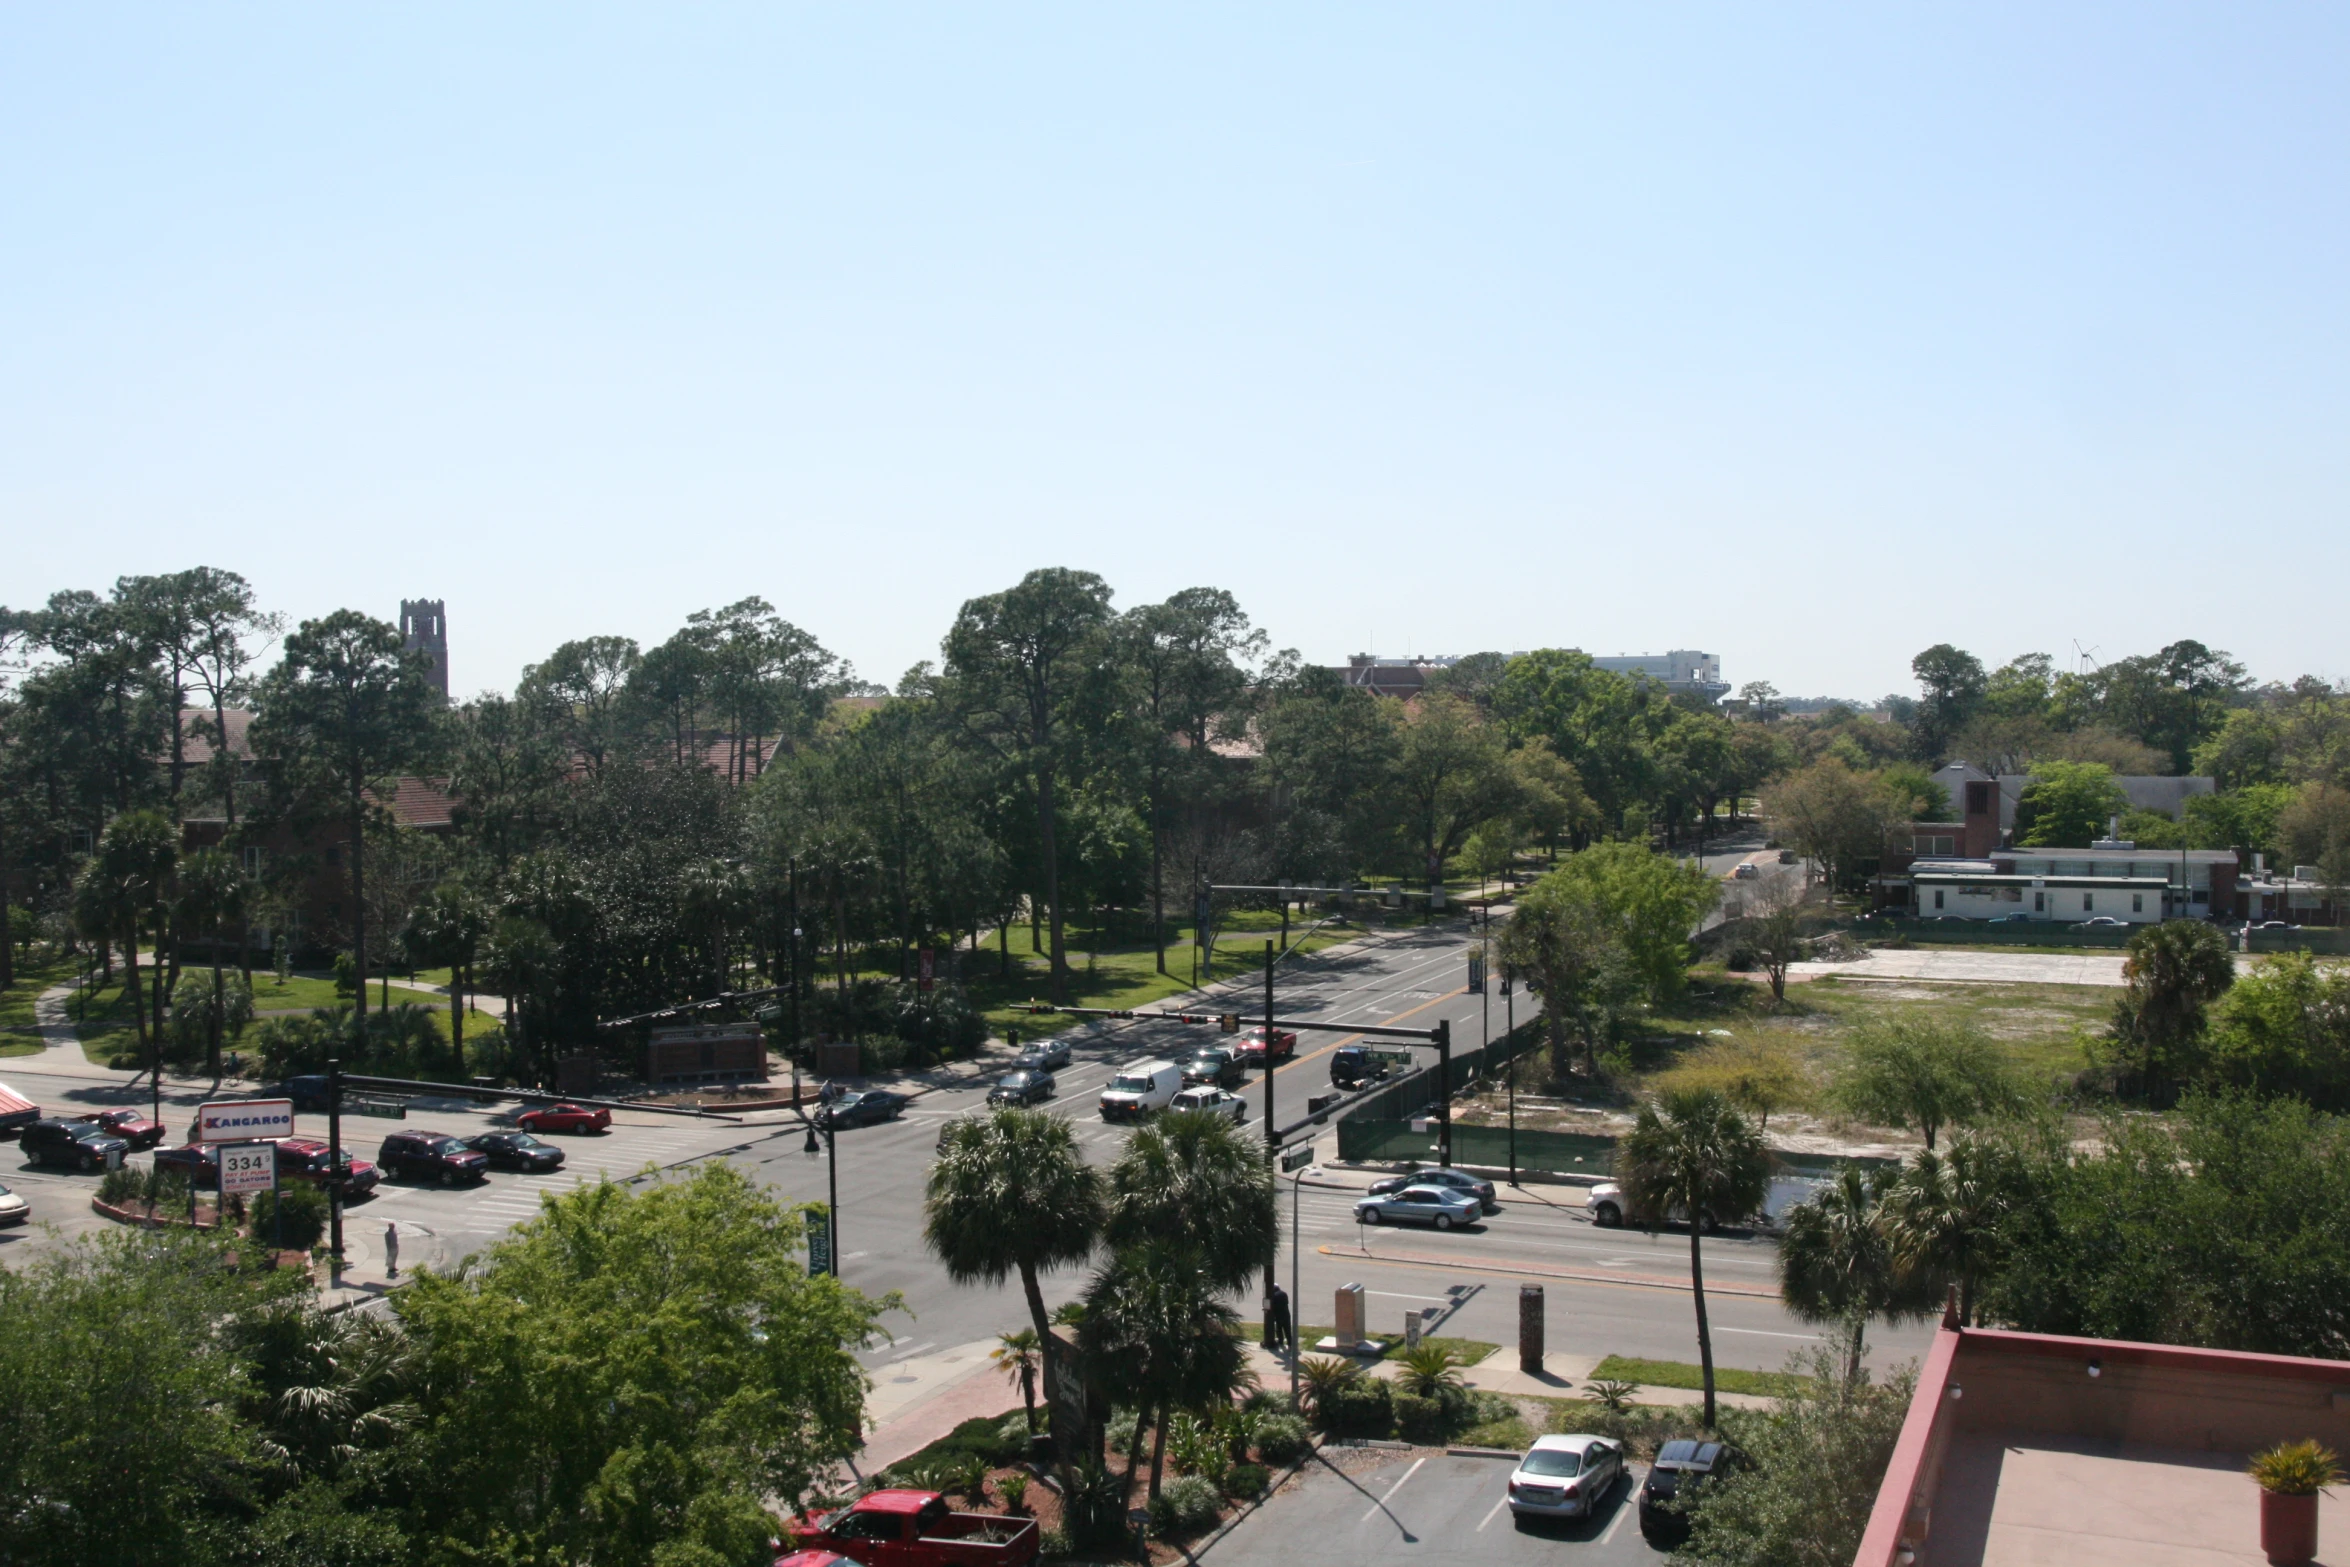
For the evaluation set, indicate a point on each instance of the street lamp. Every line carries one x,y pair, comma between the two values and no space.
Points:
831,1151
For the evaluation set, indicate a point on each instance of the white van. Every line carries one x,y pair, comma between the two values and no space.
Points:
1140,1089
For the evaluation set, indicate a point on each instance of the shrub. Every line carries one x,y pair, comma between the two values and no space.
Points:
1194,1447
304,1208
885,1054
2296,1468
1359,1406
1015,1489
122,1185
1419,1418
346,974
1185,1506
1281,1439
1428,1369
1054,1544
1096,1510
1245,1482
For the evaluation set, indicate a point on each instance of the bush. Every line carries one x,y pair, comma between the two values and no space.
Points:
885,1054
1096,1510
304,1207
1359,1406
122,1185
346,974
1281,1439
1419,1418
1245,1482
1185,1506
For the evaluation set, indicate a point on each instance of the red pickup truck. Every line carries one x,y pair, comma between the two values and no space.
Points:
914,1529
1252,1049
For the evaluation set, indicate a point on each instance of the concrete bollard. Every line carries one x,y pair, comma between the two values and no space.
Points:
1530,1329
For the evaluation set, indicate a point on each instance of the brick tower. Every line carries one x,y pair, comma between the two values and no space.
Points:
424,625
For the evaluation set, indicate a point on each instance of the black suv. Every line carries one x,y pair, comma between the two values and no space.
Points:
431,1156
1681,1468
83,1145
1351,1066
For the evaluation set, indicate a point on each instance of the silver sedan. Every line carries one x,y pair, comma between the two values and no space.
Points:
1436,1206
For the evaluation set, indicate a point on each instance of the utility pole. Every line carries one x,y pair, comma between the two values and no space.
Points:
1272,1139
334,1163
795,982
1509,1003
1444,1092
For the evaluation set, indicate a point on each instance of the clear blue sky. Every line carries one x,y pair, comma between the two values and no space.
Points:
1809,336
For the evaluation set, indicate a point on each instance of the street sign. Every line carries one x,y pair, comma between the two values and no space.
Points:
242,1120
1229,1022
248,1167
819,1245
1296,1158
1476,973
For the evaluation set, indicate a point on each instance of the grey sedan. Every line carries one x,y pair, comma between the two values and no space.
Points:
1439,1207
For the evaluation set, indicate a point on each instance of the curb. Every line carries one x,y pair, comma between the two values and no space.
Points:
1482,1452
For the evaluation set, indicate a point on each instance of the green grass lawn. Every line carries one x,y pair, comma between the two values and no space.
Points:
1125,976
33,976
1681,1374
1465,1351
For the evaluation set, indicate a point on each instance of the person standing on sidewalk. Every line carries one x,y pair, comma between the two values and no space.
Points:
391,1250
1284,1333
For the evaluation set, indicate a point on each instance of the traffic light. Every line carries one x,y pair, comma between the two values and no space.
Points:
1229,1022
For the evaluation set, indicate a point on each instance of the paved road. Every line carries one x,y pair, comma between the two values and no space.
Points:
1421,1507
1607,1291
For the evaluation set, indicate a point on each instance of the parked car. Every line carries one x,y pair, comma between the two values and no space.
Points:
1140,1089
1351,1066
1025,1087
16,1111
309,1159
13,1209
431,1156
1215,1065
897,1528
1049,1055
869,1108
1252,1049
1438,1206
2101,922
1681,1468
1564,1476
132,1127
2271,925
199,1163
1442,1175
517,1151
2017,918
565,1118
1214,1101
78,1145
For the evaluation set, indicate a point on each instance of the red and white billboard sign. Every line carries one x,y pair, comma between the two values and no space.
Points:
244,1120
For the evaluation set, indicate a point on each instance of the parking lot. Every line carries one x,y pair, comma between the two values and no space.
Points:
1358,1508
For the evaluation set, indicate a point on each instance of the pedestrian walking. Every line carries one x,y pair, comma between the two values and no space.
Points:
391,1251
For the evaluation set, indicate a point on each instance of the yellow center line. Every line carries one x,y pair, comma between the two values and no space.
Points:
1348,1039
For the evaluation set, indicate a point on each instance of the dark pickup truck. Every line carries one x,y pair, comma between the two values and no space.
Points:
915,1529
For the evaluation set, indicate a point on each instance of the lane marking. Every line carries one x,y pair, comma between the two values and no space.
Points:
1380,1505
1629,1504
1767,1333
1495,1513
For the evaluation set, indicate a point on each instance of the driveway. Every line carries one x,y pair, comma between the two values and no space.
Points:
1352,1507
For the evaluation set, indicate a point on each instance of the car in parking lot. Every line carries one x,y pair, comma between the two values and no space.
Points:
197,1163
127,1124
1443,1175
868,1108
1026,1087
1439,1207
308,1159
565,1118
1564,1476
1253,1050
1214,1065
431,1156
76,1145
1048,1055
13,1209
519,1151
1681,1469
1212,1101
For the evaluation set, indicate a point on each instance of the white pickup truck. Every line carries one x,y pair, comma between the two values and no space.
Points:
1608,1211
1215,1101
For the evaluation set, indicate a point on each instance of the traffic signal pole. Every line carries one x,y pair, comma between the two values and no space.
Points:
1272,1142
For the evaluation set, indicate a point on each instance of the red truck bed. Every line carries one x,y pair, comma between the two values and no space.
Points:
915,1529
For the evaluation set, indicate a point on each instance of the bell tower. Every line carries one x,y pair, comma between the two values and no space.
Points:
424,626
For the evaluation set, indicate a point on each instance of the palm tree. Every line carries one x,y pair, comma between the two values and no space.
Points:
1195,1181
1010,1193
212,892
1159,1338
1428,1370
1942,1215
1836,1261
1699,1157
1016,1355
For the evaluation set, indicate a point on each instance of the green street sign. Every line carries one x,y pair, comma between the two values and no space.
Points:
1296,1158
819,1248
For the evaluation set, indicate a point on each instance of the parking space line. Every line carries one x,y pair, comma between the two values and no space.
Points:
1494,1512
1380,1505
1628,1504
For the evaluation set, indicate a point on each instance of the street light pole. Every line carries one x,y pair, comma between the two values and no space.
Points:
1509,1004
831,1151
334,1163
1272,1140
1296,1301
795,983
1444,1092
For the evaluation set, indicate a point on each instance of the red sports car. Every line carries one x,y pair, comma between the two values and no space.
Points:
564,1118
132,1127
1252,1045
